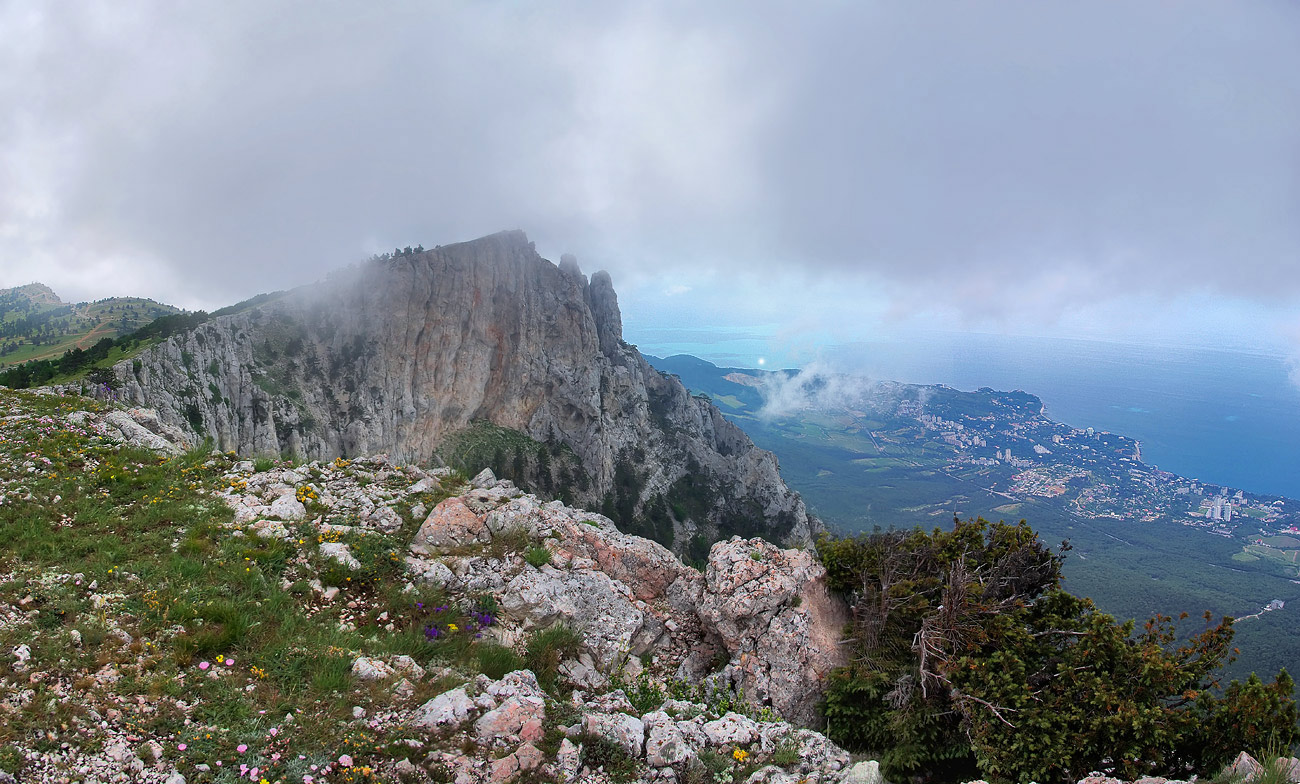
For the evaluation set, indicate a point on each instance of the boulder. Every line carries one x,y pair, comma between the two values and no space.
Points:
610,624
286,507
368,669
778,621
665,743
627,731
446,711
451,524
341,553
518,718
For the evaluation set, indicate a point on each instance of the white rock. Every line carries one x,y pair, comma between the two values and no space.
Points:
863,773
448,710
732,729
270,529
407,666
341,553
626,731
568,760
286,507
368,669
665,744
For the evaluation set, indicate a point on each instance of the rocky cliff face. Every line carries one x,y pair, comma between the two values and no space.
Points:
400,353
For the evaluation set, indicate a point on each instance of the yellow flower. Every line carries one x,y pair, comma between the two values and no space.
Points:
453,627
740,754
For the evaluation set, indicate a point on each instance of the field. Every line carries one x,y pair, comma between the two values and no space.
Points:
35,324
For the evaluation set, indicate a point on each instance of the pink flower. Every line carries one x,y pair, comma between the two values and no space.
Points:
241,748
180,747
230,662
252,775
275,731
307,778
345,760
204,665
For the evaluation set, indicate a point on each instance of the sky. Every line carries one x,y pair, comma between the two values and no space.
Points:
803,173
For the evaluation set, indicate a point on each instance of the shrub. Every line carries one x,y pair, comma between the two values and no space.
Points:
968,655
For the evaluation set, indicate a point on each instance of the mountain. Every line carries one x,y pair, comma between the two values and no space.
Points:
36,324
479,350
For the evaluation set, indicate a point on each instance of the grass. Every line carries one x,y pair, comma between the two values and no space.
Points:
547,649
537,555
136,554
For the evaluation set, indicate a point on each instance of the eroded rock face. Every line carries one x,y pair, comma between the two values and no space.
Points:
777,619
765,608
395,355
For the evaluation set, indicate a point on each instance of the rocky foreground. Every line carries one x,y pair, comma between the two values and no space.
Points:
381,622
646,689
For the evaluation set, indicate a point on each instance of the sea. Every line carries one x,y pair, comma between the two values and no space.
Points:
1226,417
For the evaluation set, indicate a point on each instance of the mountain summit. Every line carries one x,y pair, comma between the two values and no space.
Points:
408,353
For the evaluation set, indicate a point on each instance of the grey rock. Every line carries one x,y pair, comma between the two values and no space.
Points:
568,761
732,729
863,773
270,529
665,743
782,649
367,669
446,711
341,553
627,731
286,507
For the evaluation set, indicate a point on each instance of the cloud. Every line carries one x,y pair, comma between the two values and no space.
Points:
991,159
815,387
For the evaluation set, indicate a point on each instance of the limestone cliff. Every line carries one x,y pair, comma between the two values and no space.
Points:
398,354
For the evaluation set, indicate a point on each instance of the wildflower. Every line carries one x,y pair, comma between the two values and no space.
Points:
740,754
453,627
204,665
220,658
345,760
241,748
180,747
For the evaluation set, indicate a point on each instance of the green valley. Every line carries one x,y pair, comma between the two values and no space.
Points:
1143,541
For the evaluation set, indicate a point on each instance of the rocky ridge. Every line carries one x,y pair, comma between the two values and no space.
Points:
400,353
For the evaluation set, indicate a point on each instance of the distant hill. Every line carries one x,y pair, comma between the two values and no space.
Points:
36,324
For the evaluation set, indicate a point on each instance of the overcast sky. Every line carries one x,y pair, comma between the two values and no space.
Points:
1128,171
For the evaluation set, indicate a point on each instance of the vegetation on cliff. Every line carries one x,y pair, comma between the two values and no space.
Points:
968,657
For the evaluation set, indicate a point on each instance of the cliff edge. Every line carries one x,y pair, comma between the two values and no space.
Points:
402,353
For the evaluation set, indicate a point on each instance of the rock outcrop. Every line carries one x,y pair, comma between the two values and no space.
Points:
761,611
400,353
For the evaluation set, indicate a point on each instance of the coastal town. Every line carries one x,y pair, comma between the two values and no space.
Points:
1008,445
